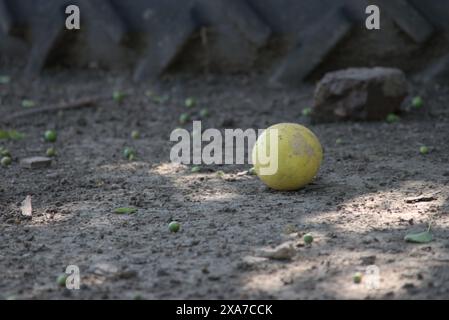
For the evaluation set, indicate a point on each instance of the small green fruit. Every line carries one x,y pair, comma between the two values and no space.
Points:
195,169
424,150
174,226
392,118
128,153
357,277
6,161
61,280
184,118
190,102
339,141
308,239
4,152
28,103
135,135
5,79
306,112
204,113
50,136
417,103
118,96
252,171
51,152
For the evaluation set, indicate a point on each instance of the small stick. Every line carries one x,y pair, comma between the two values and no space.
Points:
75,104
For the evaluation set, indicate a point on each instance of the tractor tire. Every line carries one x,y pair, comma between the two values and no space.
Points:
290,41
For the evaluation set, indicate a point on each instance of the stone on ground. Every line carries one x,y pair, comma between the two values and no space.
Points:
359,94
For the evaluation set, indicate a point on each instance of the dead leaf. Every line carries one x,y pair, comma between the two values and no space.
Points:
26,207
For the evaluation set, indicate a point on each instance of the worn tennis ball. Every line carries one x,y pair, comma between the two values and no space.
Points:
287,156
174,226
308,238
184,118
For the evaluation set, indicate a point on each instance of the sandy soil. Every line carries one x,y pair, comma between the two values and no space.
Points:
355,209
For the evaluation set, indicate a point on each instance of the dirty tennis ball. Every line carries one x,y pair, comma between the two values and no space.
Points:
287,156
51,152
417,102
195,169
190,102
174,226
392,118
308,238
6,161
135,134
424,150
61,280
184,118
357,277
50,136
204,113
339,141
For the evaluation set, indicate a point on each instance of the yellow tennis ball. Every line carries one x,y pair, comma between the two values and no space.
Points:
287,156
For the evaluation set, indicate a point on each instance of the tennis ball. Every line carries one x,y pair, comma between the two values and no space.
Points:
287,156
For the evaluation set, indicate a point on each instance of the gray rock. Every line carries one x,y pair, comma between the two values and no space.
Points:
359,94
36,162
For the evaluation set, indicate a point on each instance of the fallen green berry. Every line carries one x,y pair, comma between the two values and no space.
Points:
306,112
4,152
28,103
118,96
417,103
125,210
195,169
128,153
252,171
135,135
308,239
424,150
6,161
61,280
5,79
392,118
51,152
190,102
339,141
50,136
357,277
174,226
184,118
204,113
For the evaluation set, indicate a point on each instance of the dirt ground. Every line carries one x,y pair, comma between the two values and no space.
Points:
355,209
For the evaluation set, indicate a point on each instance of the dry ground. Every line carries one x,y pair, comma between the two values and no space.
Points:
356,208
